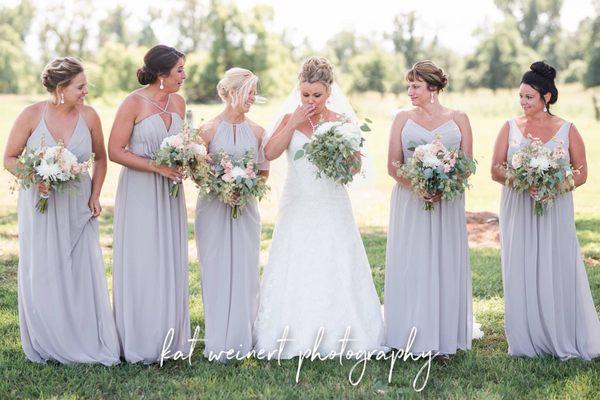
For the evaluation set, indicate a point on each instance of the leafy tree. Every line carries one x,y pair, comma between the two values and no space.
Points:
405,38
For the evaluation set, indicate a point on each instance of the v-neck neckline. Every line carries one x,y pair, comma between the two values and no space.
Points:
73,132
543,143
431,130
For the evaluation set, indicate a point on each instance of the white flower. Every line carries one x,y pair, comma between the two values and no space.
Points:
517,160
67,160
430,160
351,133
540,162
173,141
325,127
198,149
238,172
48,171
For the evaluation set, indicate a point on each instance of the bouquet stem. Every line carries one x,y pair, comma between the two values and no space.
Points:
428,206
538,207
174,189
235,211
42,204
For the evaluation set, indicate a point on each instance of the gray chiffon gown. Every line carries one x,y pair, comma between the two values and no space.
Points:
548,306
64,307
150,257
428,275
228,251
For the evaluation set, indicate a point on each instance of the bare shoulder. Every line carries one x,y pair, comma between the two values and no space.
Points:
32,113
258,130
178,102
402,115
459,115
210,127
89,114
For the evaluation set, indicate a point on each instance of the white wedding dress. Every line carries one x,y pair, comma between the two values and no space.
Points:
317,275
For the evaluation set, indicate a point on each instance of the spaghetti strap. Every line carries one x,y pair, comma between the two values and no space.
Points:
163,110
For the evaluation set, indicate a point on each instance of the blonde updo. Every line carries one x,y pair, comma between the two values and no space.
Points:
236,85
428,72
60,72
317,69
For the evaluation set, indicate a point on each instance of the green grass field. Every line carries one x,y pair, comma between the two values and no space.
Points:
485,372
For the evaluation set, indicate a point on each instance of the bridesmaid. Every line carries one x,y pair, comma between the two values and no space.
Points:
547,300
228,249
64,308
428,276
150,260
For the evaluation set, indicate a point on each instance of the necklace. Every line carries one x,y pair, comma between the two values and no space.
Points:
314,126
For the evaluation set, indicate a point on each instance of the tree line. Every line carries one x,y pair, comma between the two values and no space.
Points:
216,35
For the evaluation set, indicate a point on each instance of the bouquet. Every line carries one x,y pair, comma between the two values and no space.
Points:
235,182
56,167
548,170
186,151
333,150
435,169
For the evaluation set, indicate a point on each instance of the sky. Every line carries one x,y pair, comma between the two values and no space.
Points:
452,21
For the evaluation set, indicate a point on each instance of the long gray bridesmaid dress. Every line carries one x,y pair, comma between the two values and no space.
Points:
228,251
428,275
150,257
548,306
64,308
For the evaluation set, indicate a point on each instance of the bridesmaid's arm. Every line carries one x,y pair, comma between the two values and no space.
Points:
395,154
17,139
119,139
100,162
499,158
466,142
577,155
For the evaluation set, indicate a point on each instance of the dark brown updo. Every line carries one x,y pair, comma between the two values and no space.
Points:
159,60
428,72
60,72
541,78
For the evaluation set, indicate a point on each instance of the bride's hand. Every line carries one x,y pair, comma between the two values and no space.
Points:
301,114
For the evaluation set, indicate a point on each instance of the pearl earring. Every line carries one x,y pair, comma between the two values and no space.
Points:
431,101
545,109
161,84
62,98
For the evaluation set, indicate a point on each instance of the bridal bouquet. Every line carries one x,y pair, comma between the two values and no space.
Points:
548,170
184,150
436,169
333,150
235,182
55,167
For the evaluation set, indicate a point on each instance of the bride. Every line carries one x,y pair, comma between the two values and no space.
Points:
317,289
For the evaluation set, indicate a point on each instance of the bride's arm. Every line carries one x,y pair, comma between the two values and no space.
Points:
280,140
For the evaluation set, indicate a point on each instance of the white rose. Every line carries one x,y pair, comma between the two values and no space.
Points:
430,160
326,126
198,149
517,160
238,172
173,141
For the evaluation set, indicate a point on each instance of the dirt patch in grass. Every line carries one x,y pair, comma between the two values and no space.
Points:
483,229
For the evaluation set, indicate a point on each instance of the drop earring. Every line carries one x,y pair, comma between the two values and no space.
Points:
62,98
431,101
161,84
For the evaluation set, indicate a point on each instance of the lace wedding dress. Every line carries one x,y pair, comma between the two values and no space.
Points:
317,277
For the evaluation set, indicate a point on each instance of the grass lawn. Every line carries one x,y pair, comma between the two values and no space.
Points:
485,372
